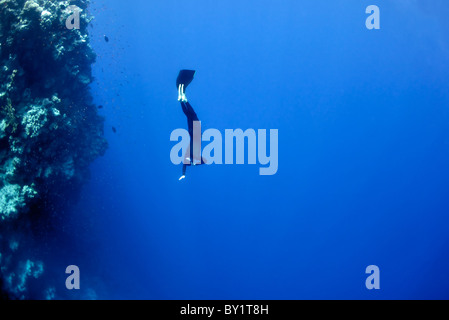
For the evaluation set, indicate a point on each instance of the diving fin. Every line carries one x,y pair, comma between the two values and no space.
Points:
185,77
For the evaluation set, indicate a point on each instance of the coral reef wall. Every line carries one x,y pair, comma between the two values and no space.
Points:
49,128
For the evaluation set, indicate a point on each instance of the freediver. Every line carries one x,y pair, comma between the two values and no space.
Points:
185,77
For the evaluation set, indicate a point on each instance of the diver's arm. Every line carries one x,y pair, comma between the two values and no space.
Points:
184,166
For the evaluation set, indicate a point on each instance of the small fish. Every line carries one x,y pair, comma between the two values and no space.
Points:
114,129
100,107
106,38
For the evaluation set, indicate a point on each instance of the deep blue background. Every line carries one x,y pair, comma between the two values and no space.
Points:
363,150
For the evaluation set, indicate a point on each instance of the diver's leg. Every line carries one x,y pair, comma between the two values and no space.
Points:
191,112
184,109
191,116
195,135
191,119
181,93
190,126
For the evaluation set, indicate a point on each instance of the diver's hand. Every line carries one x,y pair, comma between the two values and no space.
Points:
182,177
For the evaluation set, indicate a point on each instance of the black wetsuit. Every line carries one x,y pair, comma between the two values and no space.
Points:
191,116
185,77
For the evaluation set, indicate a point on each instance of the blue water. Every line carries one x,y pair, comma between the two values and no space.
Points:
363,151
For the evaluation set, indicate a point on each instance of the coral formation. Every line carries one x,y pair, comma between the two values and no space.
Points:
49,128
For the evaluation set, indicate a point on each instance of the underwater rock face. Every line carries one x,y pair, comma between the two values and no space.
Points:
49,129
